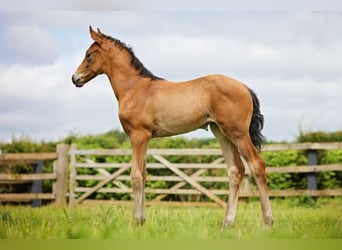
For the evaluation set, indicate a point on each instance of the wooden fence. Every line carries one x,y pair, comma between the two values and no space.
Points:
59,176
190,181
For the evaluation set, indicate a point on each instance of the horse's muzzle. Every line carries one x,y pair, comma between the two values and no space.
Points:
77,80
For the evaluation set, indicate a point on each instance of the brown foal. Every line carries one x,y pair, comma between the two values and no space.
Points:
150,106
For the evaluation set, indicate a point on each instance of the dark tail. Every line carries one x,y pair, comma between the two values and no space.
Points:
257,123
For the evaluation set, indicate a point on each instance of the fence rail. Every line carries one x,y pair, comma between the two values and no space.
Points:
27,157
196,180
36,160
187,178
201,151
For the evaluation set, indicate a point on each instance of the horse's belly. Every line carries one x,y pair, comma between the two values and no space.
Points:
180,114
180,126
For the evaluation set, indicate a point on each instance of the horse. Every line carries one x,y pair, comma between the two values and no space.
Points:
150,106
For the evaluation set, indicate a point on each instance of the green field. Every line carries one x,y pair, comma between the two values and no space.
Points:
293,219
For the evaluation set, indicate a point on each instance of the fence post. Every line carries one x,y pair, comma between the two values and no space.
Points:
312,161
37,168
72,179
61,170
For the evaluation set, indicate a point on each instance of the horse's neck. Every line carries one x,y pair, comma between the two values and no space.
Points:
122,82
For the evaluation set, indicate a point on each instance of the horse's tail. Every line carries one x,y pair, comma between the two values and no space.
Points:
257,123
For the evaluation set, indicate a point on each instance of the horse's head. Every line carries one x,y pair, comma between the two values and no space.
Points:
94,62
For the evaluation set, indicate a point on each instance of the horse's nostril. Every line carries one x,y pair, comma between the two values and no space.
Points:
74,79
77,80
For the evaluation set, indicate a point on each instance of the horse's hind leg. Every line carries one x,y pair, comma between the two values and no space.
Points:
235,171
257,166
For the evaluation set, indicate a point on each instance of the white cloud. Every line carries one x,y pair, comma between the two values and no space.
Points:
291,60
42,101
175,5
27,43
31,82
301,103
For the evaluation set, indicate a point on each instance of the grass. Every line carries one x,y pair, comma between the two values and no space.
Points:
293,219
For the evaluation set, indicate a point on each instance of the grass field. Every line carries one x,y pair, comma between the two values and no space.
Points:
293,219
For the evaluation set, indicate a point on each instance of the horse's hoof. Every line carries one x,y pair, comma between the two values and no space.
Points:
268,221
139,221
227,224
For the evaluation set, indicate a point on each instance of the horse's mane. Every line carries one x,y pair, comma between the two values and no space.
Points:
135,62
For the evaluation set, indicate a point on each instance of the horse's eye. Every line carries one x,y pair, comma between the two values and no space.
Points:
88,55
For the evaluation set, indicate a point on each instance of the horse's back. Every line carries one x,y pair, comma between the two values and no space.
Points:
223,88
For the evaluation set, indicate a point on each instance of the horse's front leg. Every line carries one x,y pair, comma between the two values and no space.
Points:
139,141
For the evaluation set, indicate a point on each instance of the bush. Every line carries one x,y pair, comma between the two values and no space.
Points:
282,181
331,179
25,145
319,136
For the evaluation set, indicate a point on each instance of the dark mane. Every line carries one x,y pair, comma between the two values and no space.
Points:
135,62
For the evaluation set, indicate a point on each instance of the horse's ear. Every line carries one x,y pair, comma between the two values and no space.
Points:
97,37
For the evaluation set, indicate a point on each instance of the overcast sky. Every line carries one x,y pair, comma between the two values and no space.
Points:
292,60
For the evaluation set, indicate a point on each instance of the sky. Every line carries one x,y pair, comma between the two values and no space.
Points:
291,59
